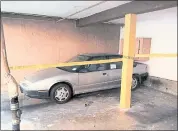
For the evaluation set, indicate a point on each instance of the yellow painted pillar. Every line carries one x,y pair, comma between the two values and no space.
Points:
127,68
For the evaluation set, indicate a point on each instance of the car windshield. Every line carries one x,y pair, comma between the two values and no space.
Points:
79,58
75,59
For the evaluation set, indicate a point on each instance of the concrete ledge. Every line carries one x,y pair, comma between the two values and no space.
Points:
161,84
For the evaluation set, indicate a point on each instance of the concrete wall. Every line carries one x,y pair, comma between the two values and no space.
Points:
32,42
161,26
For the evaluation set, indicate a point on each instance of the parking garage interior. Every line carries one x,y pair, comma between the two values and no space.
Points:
50,32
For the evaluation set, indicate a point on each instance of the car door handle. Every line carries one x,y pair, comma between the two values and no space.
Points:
104,74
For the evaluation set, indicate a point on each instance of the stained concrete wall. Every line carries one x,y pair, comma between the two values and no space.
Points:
32,42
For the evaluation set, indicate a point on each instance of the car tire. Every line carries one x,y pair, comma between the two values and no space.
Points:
136,82
61,93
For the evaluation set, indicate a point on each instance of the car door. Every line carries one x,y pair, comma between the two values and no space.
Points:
115,73
93,77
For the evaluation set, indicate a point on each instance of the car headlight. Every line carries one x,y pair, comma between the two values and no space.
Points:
26,83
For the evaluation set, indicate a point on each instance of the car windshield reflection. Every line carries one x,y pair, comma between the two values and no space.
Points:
79,58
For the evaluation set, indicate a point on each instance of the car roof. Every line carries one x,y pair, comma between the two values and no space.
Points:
100,54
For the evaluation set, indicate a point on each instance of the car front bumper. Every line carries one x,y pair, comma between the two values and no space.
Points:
40,94
144,76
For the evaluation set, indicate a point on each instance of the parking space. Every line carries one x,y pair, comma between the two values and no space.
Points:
152,110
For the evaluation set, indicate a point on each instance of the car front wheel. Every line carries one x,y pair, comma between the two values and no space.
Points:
61,93
135,82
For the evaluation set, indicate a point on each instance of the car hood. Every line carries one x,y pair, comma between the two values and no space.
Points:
45,74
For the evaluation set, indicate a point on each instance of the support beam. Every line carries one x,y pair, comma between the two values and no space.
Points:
127,68
135,7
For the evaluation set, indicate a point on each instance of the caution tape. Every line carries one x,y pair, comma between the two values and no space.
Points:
156,55
64,64
88,62
150,55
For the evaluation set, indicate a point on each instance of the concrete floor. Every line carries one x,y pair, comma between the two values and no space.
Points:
151,110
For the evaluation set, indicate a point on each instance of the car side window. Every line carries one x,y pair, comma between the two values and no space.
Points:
95,67
98,67
91,68
115,65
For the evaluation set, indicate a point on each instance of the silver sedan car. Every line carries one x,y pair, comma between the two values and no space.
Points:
61,83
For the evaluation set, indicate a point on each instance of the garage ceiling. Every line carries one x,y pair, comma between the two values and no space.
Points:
59,8
85,11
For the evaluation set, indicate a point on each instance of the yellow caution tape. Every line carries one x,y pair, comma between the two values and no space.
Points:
64,64
88,62
156,55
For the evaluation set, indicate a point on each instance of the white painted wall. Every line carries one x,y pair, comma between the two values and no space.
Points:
161,26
